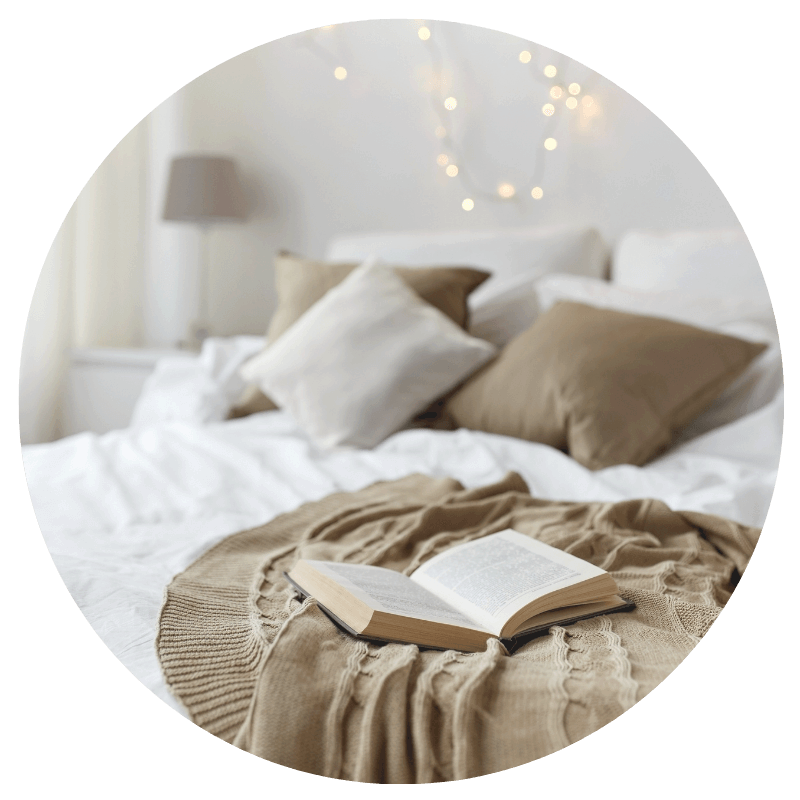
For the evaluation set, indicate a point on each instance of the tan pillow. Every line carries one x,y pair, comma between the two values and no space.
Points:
252,401
301,282
606,386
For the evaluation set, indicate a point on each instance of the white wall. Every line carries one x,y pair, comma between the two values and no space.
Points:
323,157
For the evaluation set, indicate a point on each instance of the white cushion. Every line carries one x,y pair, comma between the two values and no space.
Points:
511,310
514,310
737,316
708,263
364,359
507,254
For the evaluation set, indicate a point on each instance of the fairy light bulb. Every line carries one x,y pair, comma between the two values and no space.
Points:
556,92
548,109
550,143
452,170
450,103
550,71
571,102
574,88
424,33
524,56
340,73
468,204
440,132
442,160
537,193
590,107
506,190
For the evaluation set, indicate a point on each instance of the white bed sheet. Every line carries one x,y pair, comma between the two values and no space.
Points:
124,512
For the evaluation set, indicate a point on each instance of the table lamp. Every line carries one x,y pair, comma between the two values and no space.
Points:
204,190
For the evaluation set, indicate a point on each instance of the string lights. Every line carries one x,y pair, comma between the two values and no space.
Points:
454,165
450,161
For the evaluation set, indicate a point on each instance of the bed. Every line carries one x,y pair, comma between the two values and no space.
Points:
125,512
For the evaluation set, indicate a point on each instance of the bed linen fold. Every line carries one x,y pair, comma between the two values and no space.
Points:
255,666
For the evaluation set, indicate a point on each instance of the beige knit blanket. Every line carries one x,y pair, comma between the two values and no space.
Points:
275,677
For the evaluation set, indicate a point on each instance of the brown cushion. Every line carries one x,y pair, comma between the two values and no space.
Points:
607,387
301,282
252,401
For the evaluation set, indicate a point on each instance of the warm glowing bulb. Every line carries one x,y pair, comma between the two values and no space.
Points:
442,160
452,170
574,88
550,71
556,92
590,107
506,190
550,144
440,132
524,56
468,204
424,33
450,103
537,193
327,27
548,109
340,73
571,102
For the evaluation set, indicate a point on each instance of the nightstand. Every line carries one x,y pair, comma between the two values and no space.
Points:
104,384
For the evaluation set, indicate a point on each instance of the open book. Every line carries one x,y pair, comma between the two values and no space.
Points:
505,585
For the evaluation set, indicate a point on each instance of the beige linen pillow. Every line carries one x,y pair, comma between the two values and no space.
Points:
364,359
301,282
606,386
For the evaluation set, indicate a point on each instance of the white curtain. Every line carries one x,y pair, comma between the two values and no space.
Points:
91,288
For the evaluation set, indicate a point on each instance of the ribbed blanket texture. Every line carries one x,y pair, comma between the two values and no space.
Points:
275,677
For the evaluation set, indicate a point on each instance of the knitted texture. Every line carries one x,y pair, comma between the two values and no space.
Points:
275,677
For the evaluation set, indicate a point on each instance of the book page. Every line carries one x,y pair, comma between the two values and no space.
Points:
491,578
393,592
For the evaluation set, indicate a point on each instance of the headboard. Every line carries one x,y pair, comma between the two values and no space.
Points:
507,253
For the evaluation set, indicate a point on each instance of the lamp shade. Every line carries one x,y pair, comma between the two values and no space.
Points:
204,189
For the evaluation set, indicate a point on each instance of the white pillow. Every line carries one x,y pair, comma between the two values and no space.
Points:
512,253
513,311
703,263
758,385
508,312
737,316
364,359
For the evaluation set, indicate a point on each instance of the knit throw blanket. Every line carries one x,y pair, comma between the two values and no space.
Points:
275,677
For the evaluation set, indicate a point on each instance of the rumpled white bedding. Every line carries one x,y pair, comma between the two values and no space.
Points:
124,512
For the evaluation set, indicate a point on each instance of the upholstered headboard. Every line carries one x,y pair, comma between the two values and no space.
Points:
506,253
